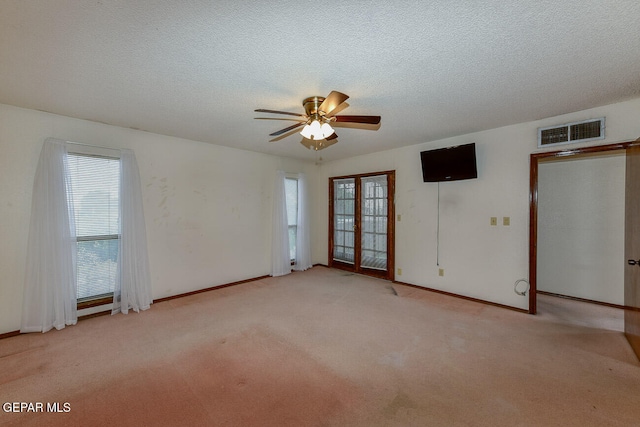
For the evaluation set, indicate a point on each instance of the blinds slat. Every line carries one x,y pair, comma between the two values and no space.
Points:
95,186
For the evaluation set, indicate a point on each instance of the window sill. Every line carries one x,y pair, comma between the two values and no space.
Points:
95,302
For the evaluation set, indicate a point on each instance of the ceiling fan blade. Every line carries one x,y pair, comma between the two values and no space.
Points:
332,136
339,108
330,103
284,135
262,110
277,118
370,120
278,138
287,129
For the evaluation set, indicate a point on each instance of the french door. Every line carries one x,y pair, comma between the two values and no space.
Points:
361,223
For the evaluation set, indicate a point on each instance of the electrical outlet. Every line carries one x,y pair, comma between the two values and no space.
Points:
506,221
441,272
399,272
399,217
494,220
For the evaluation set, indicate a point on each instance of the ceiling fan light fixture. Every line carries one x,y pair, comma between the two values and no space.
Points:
315,131
327,130
306,131
316,121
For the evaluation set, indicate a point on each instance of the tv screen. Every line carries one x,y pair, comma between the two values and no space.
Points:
449,164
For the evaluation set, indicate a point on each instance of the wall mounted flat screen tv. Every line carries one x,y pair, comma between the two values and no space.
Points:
450,163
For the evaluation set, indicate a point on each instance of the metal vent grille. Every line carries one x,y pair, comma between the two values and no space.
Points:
554,135
571,132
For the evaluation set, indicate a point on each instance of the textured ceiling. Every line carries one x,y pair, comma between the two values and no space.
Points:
197,69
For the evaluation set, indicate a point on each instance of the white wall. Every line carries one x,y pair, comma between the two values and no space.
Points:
581,227
207,207
480,260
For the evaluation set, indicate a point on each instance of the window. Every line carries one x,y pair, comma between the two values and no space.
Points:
95,188
291,190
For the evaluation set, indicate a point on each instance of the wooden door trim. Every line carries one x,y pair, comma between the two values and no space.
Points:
391,228
364,175
357,235
631,248
331,263
391,185
533,203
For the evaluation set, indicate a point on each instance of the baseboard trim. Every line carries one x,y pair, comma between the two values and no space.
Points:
186,294
92,315
212,288
590,301
239,282
424,288
451,294
9,334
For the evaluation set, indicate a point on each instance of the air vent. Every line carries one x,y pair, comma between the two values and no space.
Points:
571,132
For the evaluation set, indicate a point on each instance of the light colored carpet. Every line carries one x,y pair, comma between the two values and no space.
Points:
324,348
572,312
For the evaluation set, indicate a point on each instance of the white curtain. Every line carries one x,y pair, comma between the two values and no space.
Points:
280,260
50,280
133,285
303,239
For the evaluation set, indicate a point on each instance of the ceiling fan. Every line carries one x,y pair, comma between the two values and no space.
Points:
320,114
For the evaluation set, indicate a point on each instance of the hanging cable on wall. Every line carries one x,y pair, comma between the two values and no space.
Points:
438,229
521,293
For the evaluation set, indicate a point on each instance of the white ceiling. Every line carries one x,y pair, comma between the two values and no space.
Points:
197,69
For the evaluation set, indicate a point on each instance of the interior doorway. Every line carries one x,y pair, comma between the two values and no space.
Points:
361,223
581,206
631,281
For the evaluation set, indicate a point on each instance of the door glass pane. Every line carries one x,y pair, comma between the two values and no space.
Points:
374,222
344,193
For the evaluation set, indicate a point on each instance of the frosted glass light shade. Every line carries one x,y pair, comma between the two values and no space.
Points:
315,131
306,131
326,130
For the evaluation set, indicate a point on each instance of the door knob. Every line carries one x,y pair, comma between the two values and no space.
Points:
634,262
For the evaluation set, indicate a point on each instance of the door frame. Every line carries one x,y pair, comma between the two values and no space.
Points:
631,248
389,274
533,203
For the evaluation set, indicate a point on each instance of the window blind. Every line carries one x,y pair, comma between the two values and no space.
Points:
291,190
95,186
